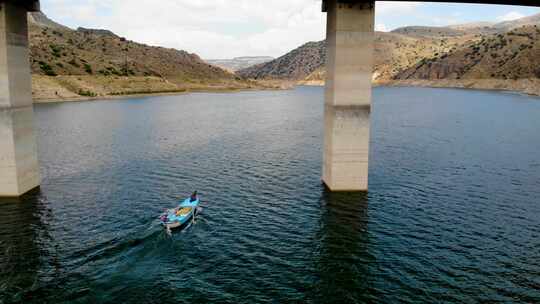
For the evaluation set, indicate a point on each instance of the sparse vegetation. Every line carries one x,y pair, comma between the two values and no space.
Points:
88,68
56,50
414,53
87,93
47,69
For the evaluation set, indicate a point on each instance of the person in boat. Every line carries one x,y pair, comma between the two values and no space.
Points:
193,197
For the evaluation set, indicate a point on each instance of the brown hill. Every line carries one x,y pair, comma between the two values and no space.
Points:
429,31
295,65
486,28
393,53
512,55
513,24
61,51
68,64
419,55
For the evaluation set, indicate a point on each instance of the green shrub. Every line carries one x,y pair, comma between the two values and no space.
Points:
47,69
88,68
113,71
87,93
56,50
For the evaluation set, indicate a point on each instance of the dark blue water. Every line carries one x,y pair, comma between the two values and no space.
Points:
453,212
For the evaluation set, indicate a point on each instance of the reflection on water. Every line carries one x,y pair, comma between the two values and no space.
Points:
23,233
452,214
343,262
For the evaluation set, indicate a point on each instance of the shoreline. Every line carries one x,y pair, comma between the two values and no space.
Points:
43,92
143,95
529,87
105,97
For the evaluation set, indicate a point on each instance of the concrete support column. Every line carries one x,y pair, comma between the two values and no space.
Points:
19,169
349,66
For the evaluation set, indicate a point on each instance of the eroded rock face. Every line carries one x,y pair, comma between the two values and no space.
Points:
41,20
98,32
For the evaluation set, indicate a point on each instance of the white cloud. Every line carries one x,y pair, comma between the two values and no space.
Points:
229,28
444,21
394,8
510,16
210,28
381,27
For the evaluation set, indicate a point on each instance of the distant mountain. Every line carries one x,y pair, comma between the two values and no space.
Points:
482,28
429,31
472,25
487,28
239,63
513,24
97,32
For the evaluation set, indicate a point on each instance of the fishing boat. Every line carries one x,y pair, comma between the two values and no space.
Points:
181,216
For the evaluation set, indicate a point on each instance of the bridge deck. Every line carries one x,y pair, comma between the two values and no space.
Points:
501,2
29,5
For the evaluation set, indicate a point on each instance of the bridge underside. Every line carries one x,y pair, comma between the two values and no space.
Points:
499,2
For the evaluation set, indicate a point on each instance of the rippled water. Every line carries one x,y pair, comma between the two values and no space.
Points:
453,212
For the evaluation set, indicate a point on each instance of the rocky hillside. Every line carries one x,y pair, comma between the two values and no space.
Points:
239,63
511,55
508,50
429,31
297,64
393,52
510,25
58,50
68,64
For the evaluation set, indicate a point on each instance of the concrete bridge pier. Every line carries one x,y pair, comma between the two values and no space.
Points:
349,38
19,168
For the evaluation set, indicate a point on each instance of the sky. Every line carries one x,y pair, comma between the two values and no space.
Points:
217,29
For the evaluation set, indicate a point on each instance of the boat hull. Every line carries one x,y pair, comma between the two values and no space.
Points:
179,224
182,216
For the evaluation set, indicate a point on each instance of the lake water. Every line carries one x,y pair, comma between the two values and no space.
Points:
452,215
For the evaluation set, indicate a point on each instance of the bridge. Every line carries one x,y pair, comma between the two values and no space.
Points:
349,36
